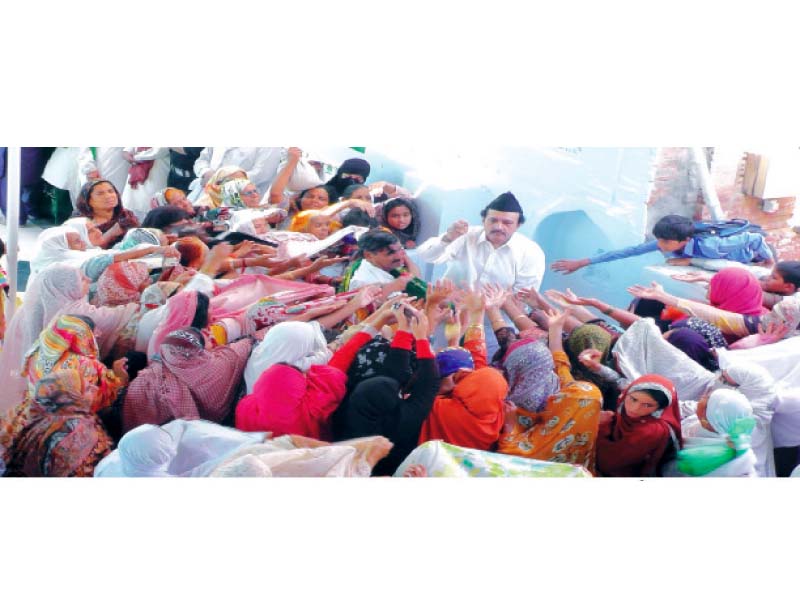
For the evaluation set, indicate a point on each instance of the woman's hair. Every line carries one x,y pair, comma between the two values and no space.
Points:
658,396
2,247
333,196
237,237
788,269
352,189
673,227
82,205
191,253
163,217
359,218
200,320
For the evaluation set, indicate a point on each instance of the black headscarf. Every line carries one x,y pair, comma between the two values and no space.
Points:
353,166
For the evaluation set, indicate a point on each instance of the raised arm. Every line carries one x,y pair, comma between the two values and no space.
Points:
293,156
728,322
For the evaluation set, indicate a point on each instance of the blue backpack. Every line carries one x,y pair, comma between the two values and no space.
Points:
725,229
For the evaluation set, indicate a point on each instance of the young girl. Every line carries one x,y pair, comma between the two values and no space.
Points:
401,218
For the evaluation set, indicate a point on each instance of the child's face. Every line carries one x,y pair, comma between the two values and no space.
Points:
260,226
319,227
670,245
776,284
399,217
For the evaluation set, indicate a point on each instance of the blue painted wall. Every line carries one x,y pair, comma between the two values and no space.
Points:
578,201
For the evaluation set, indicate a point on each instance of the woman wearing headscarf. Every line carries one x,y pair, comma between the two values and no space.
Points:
296,389
401,217
643,432
61,245
201,448
550,416
694,346
100,201
592,337
211,197
759,388
179,448
69,343
393,403
187,382
469,409
240,193
47,294
171,196
122,283
748,330
55,291
184,309
352,171
56,433
736,290
717,439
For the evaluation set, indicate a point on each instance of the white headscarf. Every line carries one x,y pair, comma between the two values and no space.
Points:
79,225
642,350
147,451
298,344
242,220
52,247
780,360
759,388
48,293
725,407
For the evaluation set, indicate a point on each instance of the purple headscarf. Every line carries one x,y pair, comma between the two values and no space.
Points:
694,346
530,371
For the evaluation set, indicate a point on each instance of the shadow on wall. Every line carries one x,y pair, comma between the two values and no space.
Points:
572,234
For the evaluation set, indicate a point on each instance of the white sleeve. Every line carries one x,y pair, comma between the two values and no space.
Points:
86,163
436,251
203,162
265,167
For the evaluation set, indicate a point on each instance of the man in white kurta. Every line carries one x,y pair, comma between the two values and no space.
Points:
492,253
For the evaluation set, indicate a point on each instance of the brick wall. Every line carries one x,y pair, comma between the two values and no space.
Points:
676,187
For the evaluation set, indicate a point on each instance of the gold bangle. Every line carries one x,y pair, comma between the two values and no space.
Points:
476,326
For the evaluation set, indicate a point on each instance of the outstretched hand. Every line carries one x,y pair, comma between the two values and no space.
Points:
556,318
654,292
567,266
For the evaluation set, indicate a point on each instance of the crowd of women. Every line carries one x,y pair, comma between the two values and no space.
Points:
251,312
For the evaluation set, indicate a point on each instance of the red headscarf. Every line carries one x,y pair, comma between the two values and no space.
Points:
631,447
737,290
473,415
120,282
